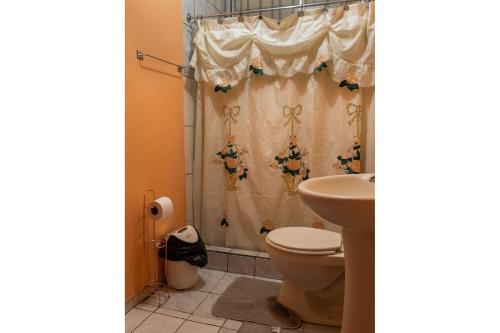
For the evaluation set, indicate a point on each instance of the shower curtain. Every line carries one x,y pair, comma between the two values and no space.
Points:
278,103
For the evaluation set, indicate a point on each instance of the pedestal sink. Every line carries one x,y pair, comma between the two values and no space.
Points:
349,201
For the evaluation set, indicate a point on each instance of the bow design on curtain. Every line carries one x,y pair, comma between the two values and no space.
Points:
291,115
354,111
230,116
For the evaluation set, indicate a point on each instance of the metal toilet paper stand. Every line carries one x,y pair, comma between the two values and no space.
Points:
154,287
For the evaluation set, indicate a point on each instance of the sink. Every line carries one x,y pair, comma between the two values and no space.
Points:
346,200
349,201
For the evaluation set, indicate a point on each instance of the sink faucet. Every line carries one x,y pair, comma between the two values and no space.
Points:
372,179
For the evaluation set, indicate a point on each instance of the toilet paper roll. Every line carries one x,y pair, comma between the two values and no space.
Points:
161,208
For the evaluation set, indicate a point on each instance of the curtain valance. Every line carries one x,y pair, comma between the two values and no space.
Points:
340,41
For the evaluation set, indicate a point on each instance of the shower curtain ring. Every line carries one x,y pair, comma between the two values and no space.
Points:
346,5
325,9
220,20
240,18
300,13
260,16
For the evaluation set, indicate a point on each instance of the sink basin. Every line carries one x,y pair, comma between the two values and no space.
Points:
346,200
349,201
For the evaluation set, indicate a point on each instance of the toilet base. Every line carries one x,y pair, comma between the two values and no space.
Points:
309,306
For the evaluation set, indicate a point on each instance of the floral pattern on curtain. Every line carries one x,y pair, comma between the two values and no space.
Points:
231,156
291,161
287,131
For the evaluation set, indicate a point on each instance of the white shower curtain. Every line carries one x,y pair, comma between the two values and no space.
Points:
277,104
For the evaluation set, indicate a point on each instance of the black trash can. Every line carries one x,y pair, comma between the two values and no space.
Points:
185,252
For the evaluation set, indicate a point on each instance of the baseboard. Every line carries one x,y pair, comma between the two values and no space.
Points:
131,302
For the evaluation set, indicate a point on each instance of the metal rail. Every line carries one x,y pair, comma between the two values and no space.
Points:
186,71
301,5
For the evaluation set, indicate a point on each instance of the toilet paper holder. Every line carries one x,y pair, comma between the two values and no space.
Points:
153,287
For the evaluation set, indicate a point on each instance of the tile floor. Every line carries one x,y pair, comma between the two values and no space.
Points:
190,311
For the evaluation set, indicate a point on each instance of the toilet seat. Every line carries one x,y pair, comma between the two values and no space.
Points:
302,240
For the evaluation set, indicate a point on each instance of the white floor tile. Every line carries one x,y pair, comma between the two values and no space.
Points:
134,318
313,328
205,308
206,320
185,301
173,313
192,327
146,307
208,280
157,323
226,280
154,299
232,324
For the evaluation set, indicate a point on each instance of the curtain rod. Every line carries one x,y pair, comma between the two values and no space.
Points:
301,5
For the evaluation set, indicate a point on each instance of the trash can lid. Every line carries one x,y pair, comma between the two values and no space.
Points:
187,234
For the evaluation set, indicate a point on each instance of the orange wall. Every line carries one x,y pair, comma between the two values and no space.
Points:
154,139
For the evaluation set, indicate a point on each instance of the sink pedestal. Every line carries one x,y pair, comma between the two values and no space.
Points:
349,201
359,297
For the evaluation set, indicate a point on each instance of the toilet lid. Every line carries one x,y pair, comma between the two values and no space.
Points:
305,239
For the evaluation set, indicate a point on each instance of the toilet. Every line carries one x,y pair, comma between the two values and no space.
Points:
312,265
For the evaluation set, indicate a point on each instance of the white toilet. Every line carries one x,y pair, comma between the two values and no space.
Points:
312,265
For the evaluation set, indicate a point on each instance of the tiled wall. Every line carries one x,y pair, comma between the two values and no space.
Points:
244,262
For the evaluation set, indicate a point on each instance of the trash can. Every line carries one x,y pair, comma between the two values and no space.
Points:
185,252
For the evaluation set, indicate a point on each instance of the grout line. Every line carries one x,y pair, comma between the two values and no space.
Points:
214,7
204,298
150,313
235,254
183,321
166,315
206,323
218,281
210,293
192,311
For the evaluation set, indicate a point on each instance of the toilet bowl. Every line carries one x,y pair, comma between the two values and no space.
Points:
312,265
